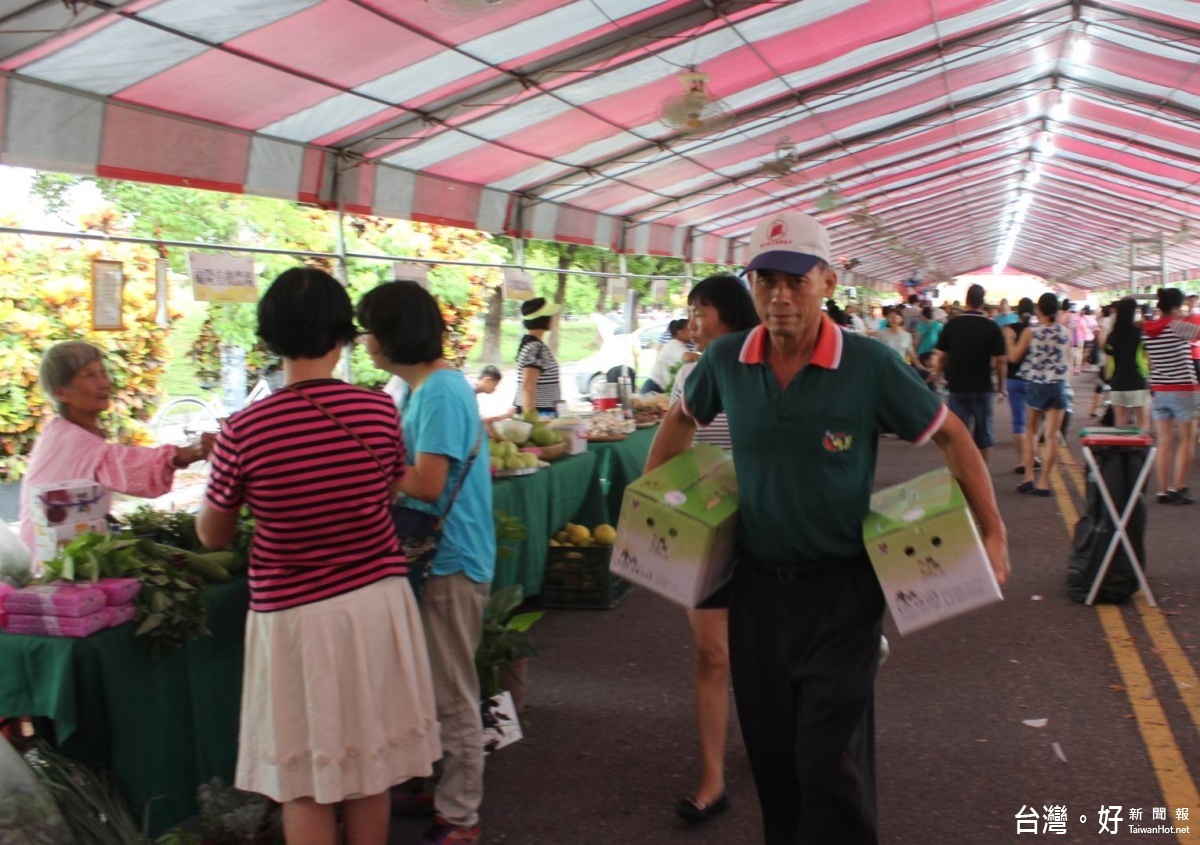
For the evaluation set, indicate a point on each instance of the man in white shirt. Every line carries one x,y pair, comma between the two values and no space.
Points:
673,353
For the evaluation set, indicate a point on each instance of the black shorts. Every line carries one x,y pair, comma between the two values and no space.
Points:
718,600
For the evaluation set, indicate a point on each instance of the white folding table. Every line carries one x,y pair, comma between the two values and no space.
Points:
1120,440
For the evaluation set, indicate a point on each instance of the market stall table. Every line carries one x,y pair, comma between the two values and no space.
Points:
162,727
565,491
620,463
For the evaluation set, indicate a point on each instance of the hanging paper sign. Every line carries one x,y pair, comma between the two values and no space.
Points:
618,288
108,290
517,284
222,278
660,290
161,316
411,271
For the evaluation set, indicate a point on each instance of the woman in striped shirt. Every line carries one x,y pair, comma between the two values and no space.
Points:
1175,393
538,387
337,699
717,306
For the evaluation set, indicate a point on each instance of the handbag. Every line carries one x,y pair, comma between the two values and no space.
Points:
418,531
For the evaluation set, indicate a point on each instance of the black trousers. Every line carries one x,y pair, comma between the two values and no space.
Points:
804,650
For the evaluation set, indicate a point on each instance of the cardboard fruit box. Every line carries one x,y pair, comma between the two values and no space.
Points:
927,552
678,524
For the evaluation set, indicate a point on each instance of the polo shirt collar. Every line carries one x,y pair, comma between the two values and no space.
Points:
827,354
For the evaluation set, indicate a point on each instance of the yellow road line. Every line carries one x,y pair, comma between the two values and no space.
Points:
1182,672
1170,769
1066,505
1178,788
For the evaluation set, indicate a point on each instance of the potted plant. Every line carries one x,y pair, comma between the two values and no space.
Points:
505,644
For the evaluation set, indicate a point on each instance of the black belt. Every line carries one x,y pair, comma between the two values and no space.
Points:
802,569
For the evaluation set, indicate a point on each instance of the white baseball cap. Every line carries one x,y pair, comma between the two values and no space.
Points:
791,242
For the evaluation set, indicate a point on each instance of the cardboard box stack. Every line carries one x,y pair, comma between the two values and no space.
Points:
678,524
927,552
68,609
61,512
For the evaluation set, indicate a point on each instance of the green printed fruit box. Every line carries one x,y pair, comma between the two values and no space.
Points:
677,526
927,552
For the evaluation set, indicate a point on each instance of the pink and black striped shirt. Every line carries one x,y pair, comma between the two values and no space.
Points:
320,503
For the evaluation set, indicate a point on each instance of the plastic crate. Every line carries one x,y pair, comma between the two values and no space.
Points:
578,577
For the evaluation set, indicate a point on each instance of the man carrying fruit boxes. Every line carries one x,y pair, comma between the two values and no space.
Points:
806,403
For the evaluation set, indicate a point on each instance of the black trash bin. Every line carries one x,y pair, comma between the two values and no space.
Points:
1120,465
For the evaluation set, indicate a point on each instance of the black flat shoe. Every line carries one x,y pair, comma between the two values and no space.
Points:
696,812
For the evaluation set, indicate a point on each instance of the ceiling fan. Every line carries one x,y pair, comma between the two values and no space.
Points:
696,111
782,168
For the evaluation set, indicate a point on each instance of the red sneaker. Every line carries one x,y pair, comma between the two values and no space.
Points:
444,833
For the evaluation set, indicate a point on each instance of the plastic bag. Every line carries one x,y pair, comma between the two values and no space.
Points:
15,558
28,815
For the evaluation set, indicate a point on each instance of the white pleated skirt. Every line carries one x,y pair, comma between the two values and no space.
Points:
337,700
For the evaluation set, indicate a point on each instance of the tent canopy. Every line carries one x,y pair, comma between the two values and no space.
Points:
933,137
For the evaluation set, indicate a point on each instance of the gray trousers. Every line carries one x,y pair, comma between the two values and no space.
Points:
452,611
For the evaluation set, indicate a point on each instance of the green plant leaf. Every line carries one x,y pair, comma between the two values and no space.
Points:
524,621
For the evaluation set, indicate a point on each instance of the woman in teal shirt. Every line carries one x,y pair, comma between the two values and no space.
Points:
405,334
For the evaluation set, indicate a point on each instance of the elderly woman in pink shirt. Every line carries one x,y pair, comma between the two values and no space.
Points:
73,445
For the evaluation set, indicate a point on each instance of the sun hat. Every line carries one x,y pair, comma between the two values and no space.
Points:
790,242
531,309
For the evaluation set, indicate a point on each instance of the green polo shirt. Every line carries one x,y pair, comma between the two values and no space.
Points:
805,455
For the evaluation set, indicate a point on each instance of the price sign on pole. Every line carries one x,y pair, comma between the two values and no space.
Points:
618,288
517,284
411,271
222,278
108,290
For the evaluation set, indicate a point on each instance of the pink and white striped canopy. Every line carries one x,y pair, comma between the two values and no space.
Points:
915,123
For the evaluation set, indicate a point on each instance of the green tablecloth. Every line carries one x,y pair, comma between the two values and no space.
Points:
161,726
586,489
566,491
619,464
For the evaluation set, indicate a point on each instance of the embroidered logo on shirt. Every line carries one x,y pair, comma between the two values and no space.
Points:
837,441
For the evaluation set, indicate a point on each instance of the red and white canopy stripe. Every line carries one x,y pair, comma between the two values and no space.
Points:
915,123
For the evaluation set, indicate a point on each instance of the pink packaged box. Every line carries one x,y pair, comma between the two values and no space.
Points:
67,600
63,502
120,614
119,590
57,626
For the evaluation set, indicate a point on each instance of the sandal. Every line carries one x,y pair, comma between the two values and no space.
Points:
1038,491
697,812
1167,498
1025,487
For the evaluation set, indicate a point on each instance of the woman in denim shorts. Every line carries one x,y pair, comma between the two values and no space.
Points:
1045,349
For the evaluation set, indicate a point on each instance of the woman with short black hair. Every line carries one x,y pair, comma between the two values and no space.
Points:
717,305
337,696
449,478
538,386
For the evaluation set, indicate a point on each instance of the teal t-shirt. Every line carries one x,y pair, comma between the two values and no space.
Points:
441,417
928,333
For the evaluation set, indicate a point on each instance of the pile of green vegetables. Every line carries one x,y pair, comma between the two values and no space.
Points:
162,551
